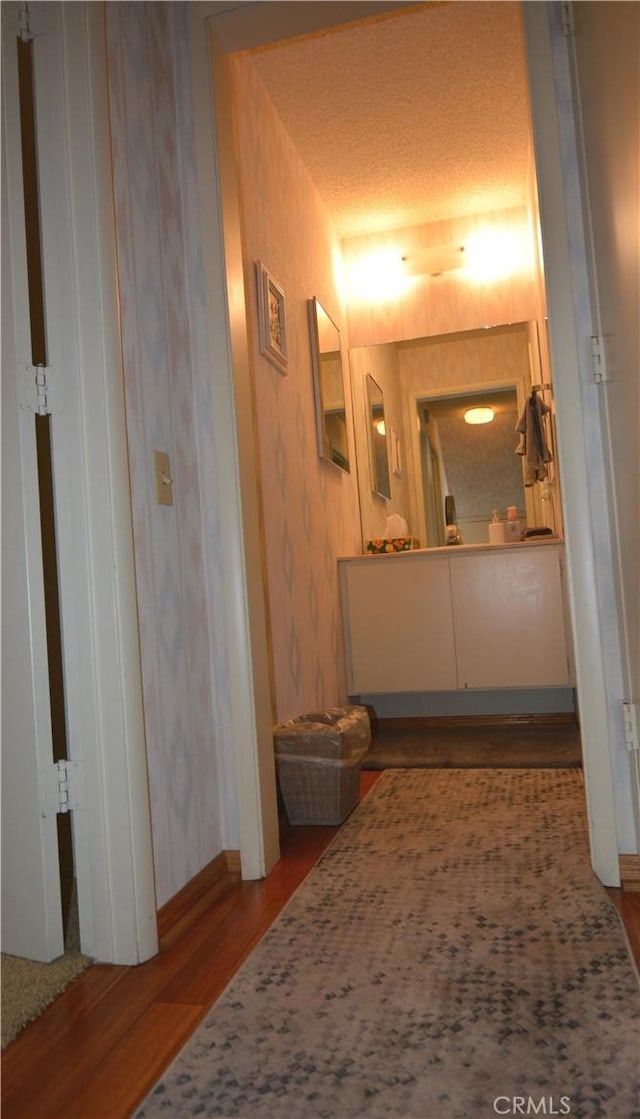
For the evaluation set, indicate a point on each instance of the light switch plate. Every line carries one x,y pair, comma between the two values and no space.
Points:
164,481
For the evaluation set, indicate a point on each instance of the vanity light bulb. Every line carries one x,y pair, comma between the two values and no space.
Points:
494,254
380,428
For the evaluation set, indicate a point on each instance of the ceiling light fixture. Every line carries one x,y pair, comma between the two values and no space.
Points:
479,415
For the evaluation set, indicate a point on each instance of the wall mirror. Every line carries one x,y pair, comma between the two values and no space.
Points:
328,384
475,462
378,454
427,384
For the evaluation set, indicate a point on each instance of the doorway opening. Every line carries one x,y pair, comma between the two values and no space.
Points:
475,464
539,39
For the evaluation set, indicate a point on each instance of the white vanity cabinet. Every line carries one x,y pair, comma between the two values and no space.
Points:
456,618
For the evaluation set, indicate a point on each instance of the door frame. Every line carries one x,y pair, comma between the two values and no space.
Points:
31,896
101,658
565,298
586,512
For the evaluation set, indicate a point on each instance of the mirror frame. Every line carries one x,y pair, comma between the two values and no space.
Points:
324,410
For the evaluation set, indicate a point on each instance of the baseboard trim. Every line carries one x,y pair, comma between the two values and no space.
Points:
629,872
233,864
182,910
424,722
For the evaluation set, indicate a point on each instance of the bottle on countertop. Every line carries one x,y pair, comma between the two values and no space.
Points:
513,526
496,529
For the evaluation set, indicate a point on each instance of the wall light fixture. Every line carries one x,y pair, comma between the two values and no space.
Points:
434,261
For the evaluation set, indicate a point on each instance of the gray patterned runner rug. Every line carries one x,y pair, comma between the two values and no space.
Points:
451,956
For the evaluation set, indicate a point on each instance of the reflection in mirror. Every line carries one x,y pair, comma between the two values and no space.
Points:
378,457
473,462
328,383
500,363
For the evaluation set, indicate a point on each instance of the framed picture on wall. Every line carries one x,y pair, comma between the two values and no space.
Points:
272,326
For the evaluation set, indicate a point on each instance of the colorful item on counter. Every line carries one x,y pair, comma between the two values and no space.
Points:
397,544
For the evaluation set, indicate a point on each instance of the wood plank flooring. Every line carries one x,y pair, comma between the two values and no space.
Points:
96,1052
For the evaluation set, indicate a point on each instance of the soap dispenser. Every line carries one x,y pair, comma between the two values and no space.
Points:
496,529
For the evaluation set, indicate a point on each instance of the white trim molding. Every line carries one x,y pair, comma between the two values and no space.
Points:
579,434
246,621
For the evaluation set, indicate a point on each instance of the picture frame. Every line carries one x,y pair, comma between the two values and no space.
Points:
272,326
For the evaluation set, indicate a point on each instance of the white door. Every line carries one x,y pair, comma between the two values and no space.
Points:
100,649
31,905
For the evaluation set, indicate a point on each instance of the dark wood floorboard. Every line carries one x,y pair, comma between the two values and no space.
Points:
97,1051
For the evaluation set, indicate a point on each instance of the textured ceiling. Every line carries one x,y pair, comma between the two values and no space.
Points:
416,117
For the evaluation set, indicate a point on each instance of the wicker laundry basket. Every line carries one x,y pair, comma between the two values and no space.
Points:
318,761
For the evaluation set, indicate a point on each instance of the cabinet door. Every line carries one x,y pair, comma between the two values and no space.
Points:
508,615
399,635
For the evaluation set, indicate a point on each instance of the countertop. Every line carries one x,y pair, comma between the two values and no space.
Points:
458,549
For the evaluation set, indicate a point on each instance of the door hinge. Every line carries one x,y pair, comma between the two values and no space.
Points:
61,788
630,725
567,23
598,359
34,389
25,22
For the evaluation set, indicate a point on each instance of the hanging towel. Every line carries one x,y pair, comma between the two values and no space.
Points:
532,444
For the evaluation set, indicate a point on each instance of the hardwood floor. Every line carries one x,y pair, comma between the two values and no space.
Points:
100,1047
96,1052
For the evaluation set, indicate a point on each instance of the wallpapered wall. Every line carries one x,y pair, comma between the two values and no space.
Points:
310,507
168,408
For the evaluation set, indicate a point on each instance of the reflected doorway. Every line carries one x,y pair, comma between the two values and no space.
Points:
476,463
